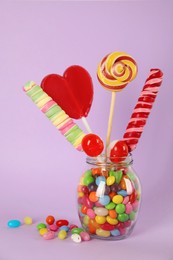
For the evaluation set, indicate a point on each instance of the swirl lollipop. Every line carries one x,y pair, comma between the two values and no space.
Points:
115,71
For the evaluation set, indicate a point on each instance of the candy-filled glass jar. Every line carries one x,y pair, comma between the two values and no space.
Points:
109,195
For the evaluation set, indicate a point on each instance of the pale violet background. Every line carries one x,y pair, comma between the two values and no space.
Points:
39,169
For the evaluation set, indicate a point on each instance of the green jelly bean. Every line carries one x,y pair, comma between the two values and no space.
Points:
111,205
112,173
120,208
87,180
118,176
131,176
123,217
41,225
76,230
88,173
132,215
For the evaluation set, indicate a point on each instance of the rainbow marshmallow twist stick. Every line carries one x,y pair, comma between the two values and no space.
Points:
55,114
143,108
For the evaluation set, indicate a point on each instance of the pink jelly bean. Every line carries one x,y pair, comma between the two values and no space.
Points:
122,231
97,204
85,236
129,208
126,200
87,202
49,235
91,214
135,205
127,223
53,227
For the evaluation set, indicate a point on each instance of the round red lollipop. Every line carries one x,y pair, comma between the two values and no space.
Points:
73,91
92,145
119,152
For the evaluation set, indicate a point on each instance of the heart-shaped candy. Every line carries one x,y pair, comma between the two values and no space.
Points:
73,91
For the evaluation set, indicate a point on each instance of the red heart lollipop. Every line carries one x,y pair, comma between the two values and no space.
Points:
73,91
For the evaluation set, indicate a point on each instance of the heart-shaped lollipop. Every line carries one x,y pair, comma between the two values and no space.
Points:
73,91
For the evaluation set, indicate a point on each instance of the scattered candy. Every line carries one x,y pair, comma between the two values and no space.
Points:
28,220
53,227
49,235
62,222
85,236
41,225
50,220
92,145
62,234
76,238
14,223
43,231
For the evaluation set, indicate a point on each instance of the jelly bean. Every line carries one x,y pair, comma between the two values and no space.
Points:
117,199
122,231
41,225
104,200
76,230
84,189
85,220
53,227
103,233
101,211
43,231
80,194
129,186
132,197
92,186
112,173
28,220
91,214
110,180
112,194
85,236
87,202
132,215
122,193
115,232
100,179
76,238
96,171
126,200
123,217
105,173
84,209
87,180
111,205
62,234
127,223
93,196
50,220
107,226
112,213
88,173
73,226
122,184
107,190
14,223
49,235
98,204
112,221
62,222
66,228
129,208
115,187
135,205
118,176
79,188
100,219
120,208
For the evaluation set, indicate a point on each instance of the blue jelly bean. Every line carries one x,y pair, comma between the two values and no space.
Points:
99,179
14,223
66,228
104,200
115,232
122,193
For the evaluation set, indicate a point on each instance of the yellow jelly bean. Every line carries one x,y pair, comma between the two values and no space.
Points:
117,199
100,219
80,194
110,180
112,221
103,233
43,231
86,220
62,234
28,220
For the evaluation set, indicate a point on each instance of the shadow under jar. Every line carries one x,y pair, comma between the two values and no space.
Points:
109,195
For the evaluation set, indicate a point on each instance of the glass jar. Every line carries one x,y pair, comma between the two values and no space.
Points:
109,196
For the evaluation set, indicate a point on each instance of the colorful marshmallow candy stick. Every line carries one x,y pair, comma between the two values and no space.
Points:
55,114
143,108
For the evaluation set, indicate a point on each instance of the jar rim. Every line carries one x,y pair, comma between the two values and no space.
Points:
103,160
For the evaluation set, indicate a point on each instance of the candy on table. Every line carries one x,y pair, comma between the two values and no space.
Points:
28,220
50,220
62,234
49,235
143,108
92,145
14,223
62,222
55,114
76,238
41,225
43,231
114,72
73,92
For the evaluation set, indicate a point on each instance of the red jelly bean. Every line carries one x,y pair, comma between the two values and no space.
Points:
132,197
62,222
84,189
86,201
107,226
50,220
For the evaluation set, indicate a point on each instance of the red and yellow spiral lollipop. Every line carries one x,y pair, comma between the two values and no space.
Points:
114,72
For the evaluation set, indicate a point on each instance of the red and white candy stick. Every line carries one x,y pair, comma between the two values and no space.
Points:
143,108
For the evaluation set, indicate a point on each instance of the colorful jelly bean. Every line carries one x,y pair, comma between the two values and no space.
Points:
101,211
53,227
62,234
76,238
14,223
50,220
49,235
85,236
43,231
28,220
41,225
103,233
62,222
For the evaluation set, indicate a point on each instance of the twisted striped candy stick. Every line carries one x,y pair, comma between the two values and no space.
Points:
143,108
116,70
55,114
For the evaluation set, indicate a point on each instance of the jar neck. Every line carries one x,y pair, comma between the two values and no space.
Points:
102,160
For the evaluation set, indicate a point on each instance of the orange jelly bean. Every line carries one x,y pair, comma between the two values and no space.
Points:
112,213
84,209
93,196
